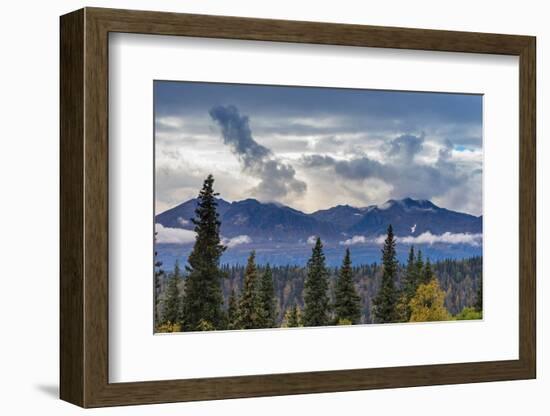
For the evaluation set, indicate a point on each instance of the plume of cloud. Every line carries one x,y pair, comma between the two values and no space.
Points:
169,235
277,178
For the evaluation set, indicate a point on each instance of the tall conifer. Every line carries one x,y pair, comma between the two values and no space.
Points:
267,300
171,305
385,301
249,302
428,273
293,318
232,310
347,301
316,308
203,297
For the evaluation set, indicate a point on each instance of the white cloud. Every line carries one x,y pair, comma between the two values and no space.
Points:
413,228
182,221
356,239
312,239
447,238
173,235
235,241
424,238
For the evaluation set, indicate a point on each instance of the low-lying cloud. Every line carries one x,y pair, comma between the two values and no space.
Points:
426,238
277,178
356,239
446,238
236,241
169,235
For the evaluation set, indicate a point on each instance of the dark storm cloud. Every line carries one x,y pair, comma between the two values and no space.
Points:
410,178
353,109
344,135
405,147
277,178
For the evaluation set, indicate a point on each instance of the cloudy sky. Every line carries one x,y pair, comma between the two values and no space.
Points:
314,148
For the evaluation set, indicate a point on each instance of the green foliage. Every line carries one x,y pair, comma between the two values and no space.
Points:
347,302
316,309
169,327
203,297
293,318
344,321
249,302
232,311
419,267
385,302
479,298
159,276
468,314
410,284
428,273
171,311
267,312
205,325
428,303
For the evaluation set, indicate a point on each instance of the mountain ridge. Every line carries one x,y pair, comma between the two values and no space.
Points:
277,222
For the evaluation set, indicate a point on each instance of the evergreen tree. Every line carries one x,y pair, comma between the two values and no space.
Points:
159,276
171,304
267,318
292,317
316,309
232,311
249,303
347,301
385,302
478,306
203,298
419,267
428,273
410,284
411,276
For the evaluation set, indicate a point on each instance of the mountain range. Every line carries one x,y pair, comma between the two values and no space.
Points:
276,222
280,234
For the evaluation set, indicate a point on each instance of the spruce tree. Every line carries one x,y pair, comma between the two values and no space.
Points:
232,310
428,273
347,301
316,308
267,318
478,306
249,303
159,276
385,302
293,317
203,297
419,267
410,285
411,276
172,302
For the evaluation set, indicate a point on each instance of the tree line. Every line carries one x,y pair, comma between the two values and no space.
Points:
214,297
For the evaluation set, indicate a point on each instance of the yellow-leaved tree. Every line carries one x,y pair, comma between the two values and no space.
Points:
428,303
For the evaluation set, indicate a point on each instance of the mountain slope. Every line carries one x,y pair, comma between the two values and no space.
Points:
274,222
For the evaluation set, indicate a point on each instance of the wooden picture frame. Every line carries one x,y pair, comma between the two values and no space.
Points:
84,207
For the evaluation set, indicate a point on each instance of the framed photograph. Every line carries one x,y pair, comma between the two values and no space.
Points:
260,207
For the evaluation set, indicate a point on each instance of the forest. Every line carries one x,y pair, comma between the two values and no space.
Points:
205,295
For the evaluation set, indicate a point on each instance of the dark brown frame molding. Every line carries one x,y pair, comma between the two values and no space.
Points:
84,210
